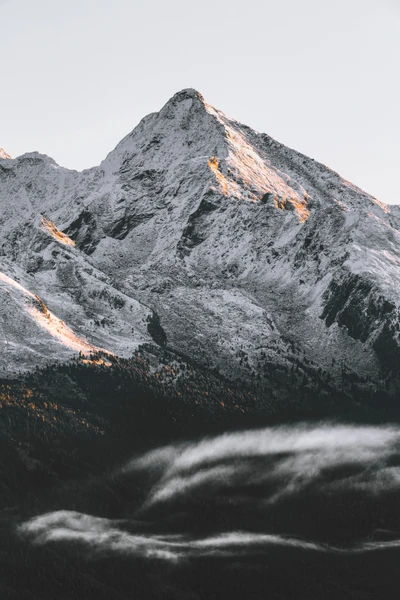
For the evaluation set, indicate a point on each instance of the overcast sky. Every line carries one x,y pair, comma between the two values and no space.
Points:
321,77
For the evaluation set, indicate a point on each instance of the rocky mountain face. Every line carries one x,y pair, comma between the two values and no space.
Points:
199,234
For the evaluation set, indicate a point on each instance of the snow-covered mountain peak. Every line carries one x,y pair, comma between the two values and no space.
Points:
182,131
199,232
185,96
190,135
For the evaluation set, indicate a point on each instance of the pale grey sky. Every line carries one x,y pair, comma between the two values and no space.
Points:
321,77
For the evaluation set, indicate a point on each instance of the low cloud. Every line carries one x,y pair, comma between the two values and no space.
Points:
254,470
292,457
107,536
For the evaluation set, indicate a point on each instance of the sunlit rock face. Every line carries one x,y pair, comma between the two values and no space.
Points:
252,256
3,154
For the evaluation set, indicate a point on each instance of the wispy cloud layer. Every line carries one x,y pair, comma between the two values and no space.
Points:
104,535
292,457
257,470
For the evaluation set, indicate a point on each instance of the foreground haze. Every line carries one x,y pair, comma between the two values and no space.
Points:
294,511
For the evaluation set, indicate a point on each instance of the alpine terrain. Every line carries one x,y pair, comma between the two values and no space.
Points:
198,234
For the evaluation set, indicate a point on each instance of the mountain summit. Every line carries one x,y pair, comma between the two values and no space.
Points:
200,234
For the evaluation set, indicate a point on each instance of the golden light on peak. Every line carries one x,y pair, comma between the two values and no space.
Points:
56,233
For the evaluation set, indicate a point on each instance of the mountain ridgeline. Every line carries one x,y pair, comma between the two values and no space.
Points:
212,242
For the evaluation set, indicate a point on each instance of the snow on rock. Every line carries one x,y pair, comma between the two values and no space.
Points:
24,322
247,251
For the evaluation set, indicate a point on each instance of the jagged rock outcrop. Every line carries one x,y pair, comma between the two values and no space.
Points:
252,256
